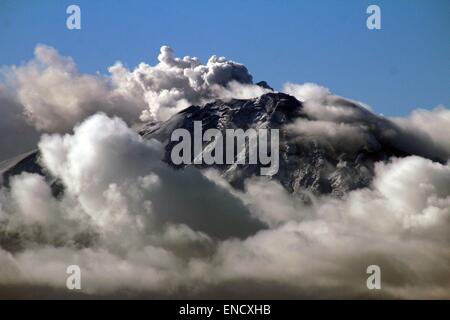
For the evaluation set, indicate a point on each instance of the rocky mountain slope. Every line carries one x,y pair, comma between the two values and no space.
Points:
307,164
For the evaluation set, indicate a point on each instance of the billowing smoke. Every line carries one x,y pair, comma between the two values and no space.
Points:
133,224
177,83
16,134
55,96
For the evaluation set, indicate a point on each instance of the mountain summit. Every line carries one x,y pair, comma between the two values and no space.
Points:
307,163
313,160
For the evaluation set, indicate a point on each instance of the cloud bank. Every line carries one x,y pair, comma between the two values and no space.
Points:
351,124
136,226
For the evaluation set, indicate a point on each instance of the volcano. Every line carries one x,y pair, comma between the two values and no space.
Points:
308,163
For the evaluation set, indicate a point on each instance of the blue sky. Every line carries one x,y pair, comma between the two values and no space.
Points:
403,66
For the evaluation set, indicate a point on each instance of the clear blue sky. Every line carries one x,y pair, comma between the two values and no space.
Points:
404,66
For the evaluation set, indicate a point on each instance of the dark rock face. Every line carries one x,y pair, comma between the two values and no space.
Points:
24,163
265,85
28,162
305,166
